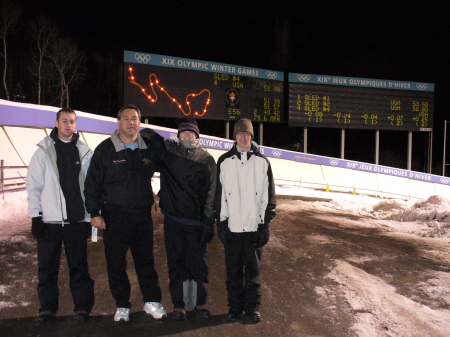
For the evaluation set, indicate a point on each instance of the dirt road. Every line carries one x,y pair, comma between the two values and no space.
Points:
324,273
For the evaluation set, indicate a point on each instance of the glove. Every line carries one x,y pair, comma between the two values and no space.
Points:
223,232
262,235
208,231
39,228
152,138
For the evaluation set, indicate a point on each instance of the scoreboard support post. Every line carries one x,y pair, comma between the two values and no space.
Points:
305,139
261,129
408,166
377,147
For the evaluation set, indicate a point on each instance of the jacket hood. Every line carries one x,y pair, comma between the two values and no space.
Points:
47,141
253,146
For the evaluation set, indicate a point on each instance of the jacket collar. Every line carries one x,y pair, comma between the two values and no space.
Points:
254,148
119,145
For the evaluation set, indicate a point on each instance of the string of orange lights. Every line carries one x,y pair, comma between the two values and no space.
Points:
153,80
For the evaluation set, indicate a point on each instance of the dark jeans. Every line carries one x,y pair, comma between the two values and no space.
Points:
134,231
186,260
74,236
243,262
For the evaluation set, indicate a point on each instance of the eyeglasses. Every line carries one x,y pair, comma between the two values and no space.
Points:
244,133
127,118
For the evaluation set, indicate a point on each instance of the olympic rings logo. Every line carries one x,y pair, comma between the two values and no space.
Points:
173,136
334,162
303,78
445,180
277,153
272,75
142,58
422,86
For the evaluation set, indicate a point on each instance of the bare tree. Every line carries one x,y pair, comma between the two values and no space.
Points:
69,62
9,20
105,78
43,34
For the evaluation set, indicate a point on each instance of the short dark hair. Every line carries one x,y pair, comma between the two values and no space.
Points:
129,106
66,110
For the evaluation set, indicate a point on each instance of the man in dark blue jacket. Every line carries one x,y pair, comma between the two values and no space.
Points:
119,197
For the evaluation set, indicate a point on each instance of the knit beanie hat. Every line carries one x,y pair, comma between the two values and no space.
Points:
188,124
243,125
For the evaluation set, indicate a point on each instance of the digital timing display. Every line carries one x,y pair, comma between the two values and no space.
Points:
356,103
165,86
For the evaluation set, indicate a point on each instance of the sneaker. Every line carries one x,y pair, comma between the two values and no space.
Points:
44,317
81,316
179,315
122,315
155,309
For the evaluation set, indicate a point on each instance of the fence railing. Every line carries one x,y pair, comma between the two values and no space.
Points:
4,186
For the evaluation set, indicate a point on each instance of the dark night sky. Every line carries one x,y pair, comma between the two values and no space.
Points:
394,40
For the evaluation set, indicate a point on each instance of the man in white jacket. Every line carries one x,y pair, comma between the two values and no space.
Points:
55,184
245,201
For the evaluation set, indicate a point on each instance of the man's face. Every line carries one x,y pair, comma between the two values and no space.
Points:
243,139
67,125
129,124
187,135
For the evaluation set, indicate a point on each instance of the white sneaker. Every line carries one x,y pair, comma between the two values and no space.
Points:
155,309
122,314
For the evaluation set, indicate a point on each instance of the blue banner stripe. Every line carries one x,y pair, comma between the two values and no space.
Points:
183,63
21,116
360,82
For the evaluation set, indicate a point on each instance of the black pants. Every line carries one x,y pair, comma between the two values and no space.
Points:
74,236
186,259
134,231
243,262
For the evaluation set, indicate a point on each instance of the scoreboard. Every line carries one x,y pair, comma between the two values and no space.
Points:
166,86
358,103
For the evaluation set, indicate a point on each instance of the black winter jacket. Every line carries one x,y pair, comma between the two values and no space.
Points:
120,178
188,182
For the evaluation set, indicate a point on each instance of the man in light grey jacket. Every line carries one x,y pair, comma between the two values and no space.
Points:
55,184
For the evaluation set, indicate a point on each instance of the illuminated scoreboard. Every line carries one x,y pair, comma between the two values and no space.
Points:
166,86
359,103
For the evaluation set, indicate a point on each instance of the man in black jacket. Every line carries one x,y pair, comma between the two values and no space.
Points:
119,197
188,184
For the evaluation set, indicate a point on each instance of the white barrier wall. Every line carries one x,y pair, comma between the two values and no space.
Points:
18,143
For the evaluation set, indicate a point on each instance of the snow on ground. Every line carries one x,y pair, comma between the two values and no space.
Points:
426,217
432,213
375,303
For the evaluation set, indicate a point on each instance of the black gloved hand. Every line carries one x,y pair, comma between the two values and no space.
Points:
152,138
39,228
208,231
262,235
223,232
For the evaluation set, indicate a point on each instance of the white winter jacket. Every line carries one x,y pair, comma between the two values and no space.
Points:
247,195
44,191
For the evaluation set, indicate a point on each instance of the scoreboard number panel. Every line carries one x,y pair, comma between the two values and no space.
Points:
166,86
351,103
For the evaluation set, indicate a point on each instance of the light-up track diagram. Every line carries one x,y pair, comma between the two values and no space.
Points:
171,87
153,98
